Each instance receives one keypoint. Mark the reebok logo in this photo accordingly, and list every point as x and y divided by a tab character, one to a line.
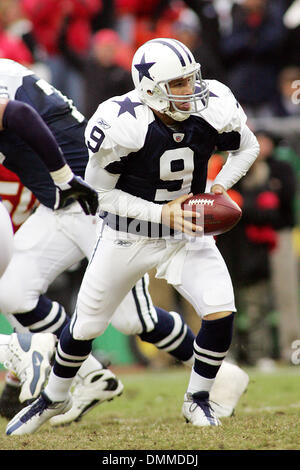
123	243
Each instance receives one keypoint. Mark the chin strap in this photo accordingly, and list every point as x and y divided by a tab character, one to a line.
177	115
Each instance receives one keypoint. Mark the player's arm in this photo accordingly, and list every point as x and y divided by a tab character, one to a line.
238	162
117	201
23	120
123	204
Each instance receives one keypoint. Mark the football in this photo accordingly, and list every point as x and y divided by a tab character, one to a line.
221	213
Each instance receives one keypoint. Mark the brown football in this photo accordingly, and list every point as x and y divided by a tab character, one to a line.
221	213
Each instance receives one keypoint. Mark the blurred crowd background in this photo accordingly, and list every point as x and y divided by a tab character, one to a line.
84	48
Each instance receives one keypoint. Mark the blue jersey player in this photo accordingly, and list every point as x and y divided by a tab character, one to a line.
28	148
17	141
126	144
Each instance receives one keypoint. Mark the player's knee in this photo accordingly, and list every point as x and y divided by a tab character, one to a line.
88	331
128	325
94	311
11	298
19	288
88	328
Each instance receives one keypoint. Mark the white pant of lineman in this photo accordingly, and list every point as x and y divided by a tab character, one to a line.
7	234
47	244
196	269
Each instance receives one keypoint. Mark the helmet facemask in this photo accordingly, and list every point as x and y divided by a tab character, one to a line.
198	100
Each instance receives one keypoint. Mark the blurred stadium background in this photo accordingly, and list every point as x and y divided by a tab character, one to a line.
85	50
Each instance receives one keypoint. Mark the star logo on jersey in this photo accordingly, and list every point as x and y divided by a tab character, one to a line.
198	89
143	68
127	106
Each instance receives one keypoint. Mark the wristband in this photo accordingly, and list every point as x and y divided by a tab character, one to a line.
62	176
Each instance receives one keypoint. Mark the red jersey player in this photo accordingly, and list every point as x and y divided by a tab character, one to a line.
18	200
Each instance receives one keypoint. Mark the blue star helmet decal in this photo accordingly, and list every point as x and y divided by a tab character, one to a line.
127	106
198	89
143	68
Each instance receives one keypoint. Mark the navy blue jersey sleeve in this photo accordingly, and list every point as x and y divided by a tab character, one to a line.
228	141
27	124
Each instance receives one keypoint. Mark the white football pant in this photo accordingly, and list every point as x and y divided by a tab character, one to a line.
48	243
197	270
6	231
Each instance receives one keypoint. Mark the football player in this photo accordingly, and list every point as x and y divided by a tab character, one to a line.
50	241
14	117
45	153
149	150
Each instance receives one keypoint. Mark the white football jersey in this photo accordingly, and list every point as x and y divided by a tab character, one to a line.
156	162
151	163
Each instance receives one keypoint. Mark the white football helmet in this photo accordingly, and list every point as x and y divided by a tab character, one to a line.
155	64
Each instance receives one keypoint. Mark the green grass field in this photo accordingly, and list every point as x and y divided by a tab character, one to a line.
148	416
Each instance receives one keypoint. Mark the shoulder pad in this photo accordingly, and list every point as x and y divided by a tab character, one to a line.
124	120
224	112
11	77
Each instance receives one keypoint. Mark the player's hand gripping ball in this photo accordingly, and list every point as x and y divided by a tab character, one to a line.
221	213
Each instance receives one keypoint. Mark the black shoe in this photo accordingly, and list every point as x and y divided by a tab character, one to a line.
9	401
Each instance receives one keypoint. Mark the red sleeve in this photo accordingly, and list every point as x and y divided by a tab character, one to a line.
18	200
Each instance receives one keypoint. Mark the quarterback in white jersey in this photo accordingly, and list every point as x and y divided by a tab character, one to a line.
148	151
50	241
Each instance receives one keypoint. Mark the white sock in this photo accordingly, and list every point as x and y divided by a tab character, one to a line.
57	388
90	365
199	384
